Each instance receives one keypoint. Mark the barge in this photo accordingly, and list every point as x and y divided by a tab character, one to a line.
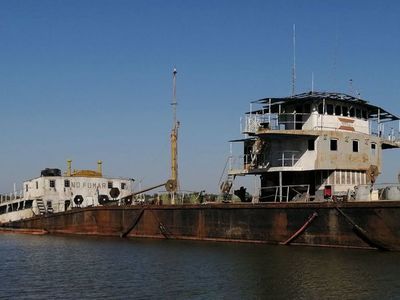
316	157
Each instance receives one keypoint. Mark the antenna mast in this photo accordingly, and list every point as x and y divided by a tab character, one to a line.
174	141
294	61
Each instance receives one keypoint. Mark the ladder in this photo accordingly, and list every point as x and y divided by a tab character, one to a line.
40	206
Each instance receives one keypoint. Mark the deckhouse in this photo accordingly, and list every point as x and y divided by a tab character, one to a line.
315	145
54	192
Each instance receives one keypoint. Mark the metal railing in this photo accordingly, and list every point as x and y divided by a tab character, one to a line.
280	159
294	121
11	196
285	193
284	121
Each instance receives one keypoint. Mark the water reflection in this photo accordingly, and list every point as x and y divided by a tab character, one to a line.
37	267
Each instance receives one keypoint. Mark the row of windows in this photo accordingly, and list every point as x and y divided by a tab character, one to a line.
340	110
332	109
355	145
341	177
334	146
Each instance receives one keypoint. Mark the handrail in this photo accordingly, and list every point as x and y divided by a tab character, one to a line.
289	190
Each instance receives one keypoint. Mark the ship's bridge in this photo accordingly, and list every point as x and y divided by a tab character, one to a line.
313	111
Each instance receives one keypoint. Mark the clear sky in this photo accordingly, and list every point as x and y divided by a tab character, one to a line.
90	80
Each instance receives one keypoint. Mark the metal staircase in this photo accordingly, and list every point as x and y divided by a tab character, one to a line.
40	206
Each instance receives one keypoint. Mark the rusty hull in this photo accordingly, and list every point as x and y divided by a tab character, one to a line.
349	224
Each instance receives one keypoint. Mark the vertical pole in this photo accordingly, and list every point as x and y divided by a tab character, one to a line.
69	167
230	156
269	113
379	122
100	167
323	113
294	61
312	82
174	142
280	186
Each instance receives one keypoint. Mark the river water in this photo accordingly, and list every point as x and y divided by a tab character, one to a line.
67	267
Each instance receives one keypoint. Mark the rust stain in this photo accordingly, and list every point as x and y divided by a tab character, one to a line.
344	120
256	223
348	128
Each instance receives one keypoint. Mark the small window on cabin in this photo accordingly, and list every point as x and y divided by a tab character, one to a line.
123	185
311	145
373	148
355	146
329	109
345	111
352	113
26	187
358	113
110	184
334	145
364	114
66	183
321	108
307	108
49	204
52	183
338	110
37	185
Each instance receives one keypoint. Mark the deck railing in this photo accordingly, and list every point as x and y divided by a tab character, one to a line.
252	123
285	193
11	196
284	121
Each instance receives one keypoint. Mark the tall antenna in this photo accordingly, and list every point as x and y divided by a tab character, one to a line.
294	61
312	82
351	87
174	142
174	103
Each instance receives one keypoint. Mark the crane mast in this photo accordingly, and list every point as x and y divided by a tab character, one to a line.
174	143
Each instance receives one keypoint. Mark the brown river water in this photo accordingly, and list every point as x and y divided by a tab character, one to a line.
69	267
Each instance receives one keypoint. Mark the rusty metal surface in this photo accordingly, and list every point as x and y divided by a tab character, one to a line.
258	223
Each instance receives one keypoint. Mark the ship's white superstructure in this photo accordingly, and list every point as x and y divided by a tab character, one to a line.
54	192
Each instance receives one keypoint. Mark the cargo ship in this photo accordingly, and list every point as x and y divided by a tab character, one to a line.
316	155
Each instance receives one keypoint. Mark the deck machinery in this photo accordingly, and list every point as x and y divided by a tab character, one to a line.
315	146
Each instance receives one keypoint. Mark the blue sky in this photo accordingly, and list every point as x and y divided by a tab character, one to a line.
90	80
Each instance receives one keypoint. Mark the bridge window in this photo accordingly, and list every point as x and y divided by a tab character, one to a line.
52	183
364	114
321	108
329	109
355	146
66	183
345	111
110	184
123	185
334	145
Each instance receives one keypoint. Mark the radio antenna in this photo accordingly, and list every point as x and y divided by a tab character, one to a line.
294	61
312	82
